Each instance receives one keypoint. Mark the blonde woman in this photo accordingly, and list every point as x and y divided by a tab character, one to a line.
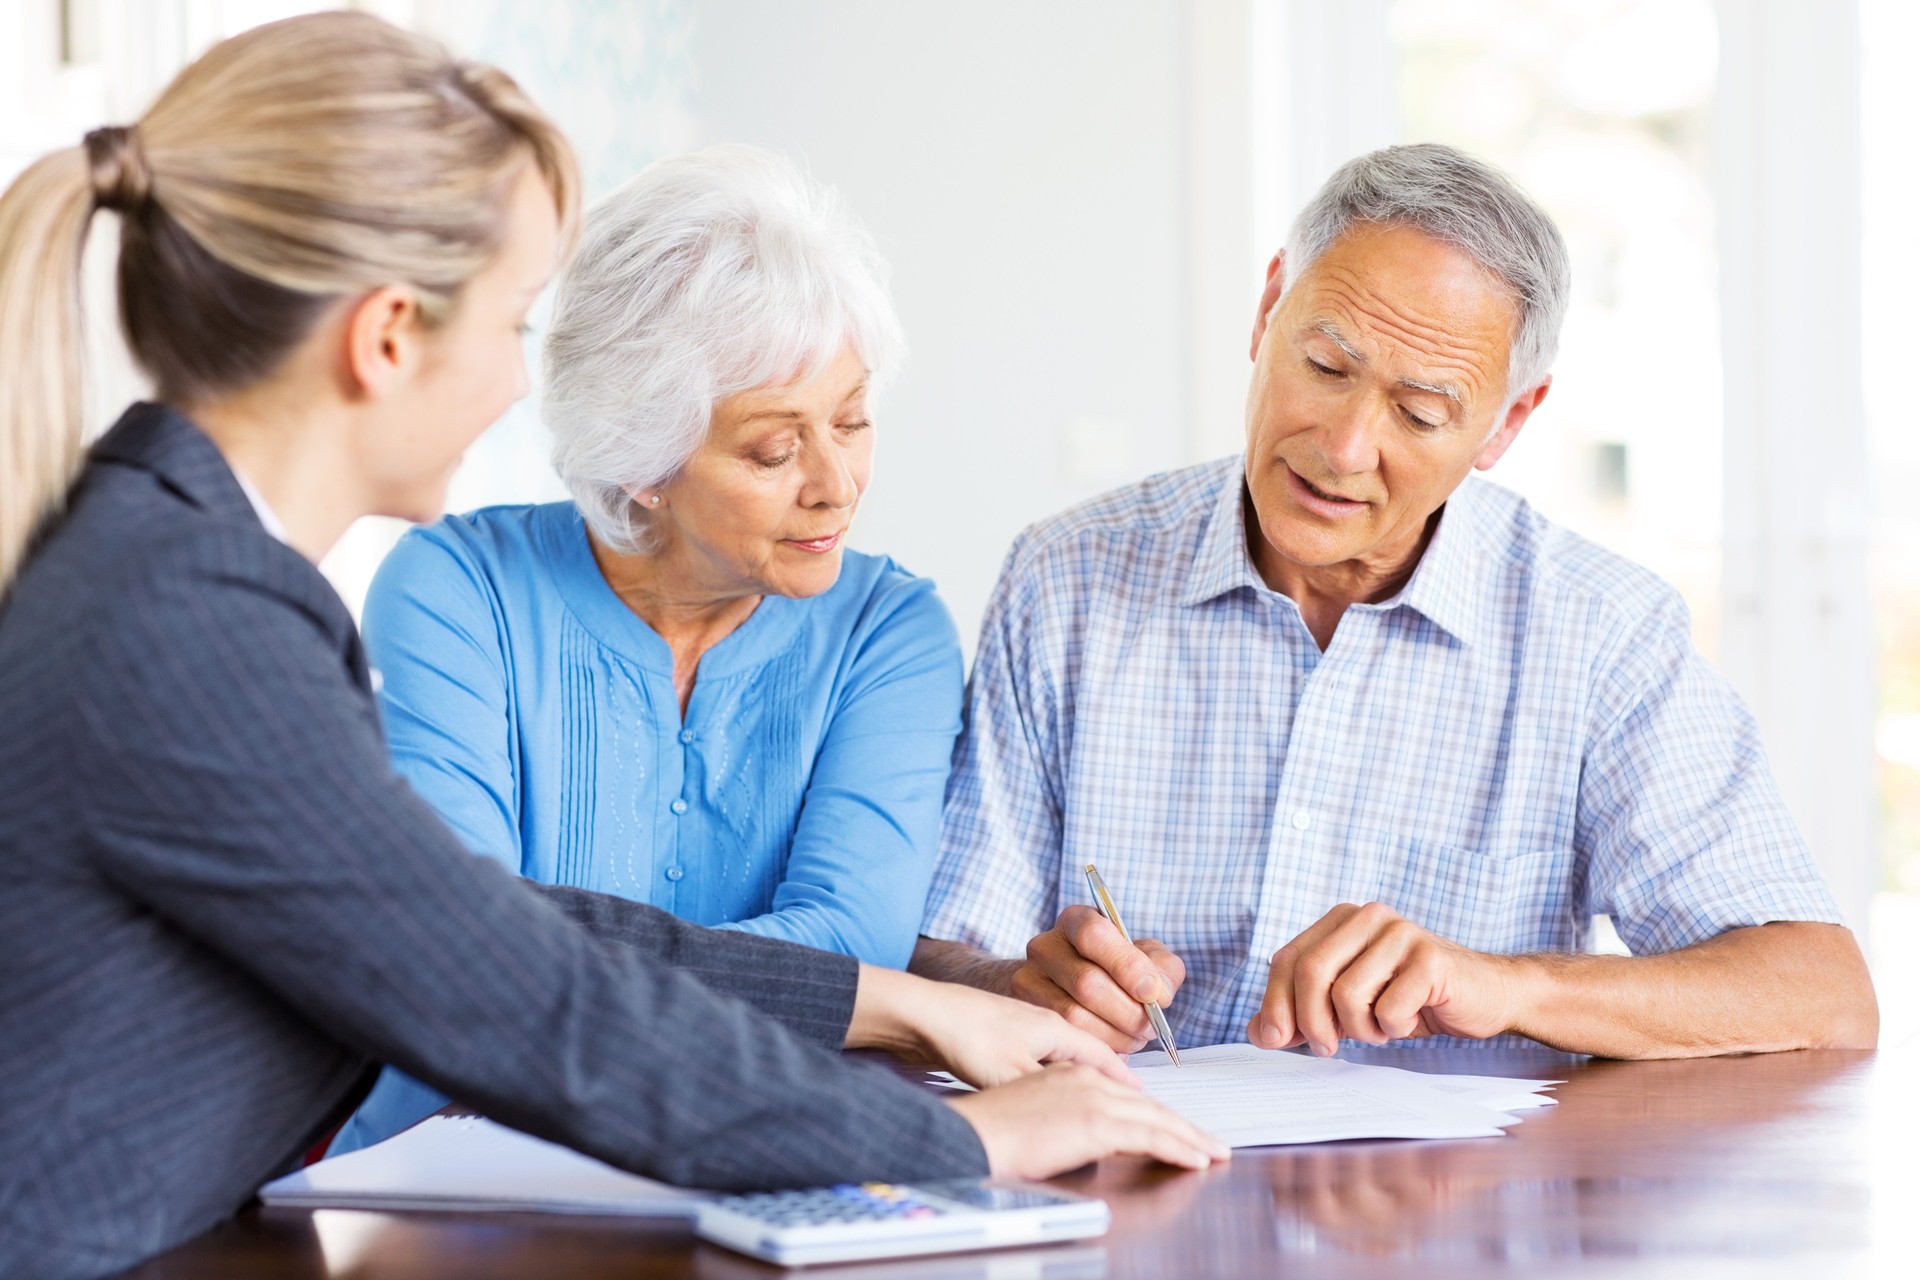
219	908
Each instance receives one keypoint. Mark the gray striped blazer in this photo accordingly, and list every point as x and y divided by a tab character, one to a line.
219	909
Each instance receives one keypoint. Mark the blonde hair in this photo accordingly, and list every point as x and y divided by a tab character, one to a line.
301	162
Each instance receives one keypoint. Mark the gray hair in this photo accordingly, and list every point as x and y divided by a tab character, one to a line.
706	275
1452	196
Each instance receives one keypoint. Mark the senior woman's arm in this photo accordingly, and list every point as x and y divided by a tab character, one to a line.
432	633
862	853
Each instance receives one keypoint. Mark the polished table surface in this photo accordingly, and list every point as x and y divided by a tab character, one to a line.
1804	1164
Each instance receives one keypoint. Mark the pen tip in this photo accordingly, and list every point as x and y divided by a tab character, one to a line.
1089	866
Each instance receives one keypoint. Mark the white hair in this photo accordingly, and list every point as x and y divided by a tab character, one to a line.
1451	196
706	275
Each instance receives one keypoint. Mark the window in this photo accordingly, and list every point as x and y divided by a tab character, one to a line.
1890	100
1602	109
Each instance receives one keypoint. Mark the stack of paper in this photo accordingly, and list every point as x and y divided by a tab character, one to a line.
1250	1097
1245	1096
468	1164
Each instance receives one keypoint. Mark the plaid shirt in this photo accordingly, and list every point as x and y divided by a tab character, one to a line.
1522	738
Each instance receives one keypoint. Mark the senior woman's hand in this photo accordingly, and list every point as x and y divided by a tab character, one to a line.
982	1038
1051	1098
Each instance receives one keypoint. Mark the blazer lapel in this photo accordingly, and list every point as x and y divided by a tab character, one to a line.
166	443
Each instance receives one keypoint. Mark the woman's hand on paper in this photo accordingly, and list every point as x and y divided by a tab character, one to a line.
1085	971
1052	1097
988	1040
1069	1115
982	1038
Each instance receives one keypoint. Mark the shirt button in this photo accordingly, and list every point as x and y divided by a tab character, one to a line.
678	806
675	873
375	680
1302	820
686	735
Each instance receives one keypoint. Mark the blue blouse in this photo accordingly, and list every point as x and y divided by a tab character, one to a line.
799	798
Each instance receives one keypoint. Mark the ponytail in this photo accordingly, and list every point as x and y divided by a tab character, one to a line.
306	160
43	228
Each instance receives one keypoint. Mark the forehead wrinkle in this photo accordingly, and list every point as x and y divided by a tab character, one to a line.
1429	341
1331	332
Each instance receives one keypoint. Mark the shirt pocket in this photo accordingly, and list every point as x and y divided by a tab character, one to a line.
1503	900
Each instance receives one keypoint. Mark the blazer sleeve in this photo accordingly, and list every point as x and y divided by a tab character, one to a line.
813	999
243	796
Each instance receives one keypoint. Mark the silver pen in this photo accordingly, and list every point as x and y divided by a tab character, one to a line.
1104	901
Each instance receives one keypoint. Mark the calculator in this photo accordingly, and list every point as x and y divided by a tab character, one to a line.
884	1220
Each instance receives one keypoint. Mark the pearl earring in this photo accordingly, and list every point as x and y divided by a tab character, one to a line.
654	501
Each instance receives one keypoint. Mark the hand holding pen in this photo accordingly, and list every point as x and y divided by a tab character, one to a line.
1088	972
1111	910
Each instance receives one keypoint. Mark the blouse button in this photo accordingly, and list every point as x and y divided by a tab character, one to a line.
675	873
678	806
686	735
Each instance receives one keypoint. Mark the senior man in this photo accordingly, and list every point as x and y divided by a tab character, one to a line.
1342	671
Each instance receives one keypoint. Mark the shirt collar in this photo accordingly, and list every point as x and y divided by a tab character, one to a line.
1448	586
1221	563
260	507
568	551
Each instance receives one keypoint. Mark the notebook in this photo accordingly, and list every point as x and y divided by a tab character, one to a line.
469	1164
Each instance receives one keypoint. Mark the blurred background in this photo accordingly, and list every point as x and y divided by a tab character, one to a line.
1078	198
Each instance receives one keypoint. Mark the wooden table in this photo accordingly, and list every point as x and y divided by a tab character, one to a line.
1802	1164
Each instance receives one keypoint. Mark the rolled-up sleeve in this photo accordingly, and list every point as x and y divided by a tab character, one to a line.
1680	823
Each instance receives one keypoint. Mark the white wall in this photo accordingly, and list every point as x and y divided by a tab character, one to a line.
1025	168
1798	640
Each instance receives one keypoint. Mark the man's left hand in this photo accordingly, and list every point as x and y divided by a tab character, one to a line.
1367	973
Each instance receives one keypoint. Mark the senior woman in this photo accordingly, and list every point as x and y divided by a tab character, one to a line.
681	687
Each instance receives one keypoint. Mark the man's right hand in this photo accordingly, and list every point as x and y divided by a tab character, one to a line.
1083	970
1068	1115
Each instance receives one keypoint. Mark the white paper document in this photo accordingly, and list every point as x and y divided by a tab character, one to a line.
1498	1092
1250	1097
465	1163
